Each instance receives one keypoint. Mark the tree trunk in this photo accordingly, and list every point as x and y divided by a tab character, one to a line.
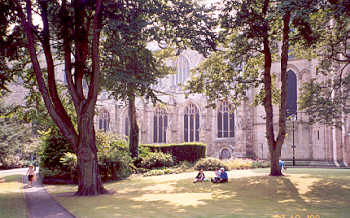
134	129
275	168
275	145
275	157
89	174
83	141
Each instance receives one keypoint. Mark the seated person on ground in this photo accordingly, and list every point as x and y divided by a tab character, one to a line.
220	178
200	177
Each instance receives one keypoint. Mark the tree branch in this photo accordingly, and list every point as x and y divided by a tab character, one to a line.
66	131
284	81
67	47
94	82
51	69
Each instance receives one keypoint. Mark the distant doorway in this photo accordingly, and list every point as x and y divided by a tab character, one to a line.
225	154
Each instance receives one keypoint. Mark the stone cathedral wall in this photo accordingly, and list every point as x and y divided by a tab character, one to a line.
313	142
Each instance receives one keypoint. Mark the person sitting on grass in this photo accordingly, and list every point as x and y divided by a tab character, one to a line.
221	178
200	177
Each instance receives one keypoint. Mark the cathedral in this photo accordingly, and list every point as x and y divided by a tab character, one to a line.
240	134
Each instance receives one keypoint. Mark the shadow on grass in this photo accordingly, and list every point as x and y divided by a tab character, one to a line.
259	196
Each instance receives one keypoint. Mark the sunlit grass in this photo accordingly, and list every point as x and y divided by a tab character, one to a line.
249	193
12	203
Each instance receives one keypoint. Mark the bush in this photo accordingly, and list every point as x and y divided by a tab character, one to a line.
70	162
261	164
157	172
143	151
55	176
57	158
53	148
17	144
210	164
214	164
157	160
191	151
113	156
239	164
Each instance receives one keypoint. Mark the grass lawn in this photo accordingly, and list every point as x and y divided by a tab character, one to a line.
12	203
308	193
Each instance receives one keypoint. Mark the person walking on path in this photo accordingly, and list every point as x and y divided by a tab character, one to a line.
31	175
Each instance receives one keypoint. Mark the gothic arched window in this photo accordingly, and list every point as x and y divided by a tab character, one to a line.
291	93
226	124
191	123
183	70
160	123
104	120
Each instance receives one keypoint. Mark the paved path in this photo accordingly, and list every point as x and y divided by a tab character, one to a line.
14	171
42	205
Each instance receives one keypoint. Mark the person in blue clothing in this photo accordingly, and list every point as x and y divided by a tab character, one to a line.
222	177
282	166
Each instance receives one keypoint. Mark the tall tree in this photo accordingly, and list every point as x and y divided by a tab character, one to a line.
132	69
256	33
67	29
68	33
134	72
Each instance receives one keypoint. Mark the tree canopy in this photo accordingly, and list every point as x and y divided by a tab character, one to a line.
254	34
325	98
65	36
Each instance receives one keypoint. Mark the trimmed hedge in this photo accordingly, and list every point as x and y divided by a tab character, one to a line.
188	151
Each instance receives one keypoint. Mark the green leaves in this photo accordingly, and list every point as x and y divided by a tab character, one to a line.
16	140
324	102
130	67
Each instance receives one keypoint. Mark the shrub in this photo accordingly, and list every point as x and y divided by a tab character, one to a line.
157	172
69	160
157	160
113	156
17	144
141	170
55	176
53	147
143	151
57	158
210	164
191	151
239	163
261	164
